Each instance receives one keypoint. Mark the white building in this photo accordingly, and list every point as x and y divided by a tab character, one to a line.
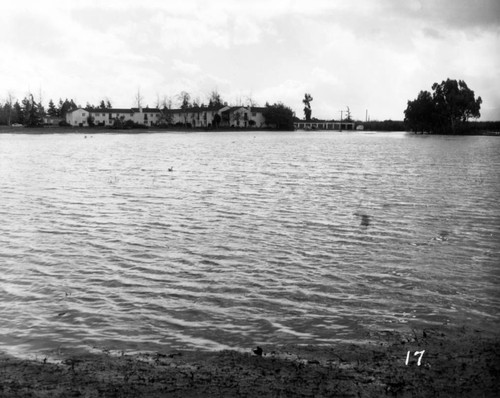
106	117
224	116
78	117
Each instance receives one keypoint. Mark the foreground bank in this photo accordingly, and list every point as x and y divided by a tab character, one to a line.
453	363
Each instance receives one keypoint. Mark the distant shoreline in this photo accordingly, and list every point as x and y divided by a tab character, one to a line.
104	130
148	130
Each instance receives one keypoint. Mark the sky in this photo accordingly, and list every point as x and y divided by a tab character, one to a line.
369	55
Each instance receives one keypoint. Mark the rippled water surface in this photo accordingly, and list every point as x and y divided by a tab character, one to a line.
253	238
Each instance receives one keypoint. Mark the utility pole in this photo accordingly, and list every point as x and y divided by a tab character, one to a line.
340	125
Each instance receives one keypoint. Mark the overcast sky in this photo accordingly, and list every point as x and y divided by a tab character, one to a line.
370	55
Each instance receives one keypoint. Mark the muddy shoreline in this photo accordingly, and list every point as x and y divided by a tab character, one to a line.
455	363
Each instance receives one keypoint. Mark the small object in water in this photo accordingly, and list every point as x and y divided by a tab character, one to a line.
442	236
258	351
85	136
365	220
171	168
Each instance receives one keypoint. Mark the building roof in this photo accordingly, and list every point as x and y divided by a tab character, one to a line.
110	110
194	110
76	109
146	110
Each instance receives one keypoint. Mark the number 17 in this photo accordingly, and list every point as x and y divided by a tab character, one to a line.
421	353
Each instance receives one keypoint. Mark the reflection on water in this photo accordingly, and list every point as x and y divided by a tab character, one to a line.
252	238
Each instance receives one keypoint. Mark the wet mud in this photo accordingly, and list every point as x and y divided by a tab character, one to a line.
425	363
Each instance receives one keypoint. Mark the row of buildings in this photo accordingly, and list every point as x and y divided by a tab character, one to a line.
200	117
224	116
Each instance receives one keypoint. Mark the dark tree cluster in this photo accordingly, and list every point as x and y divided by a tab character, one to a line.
385	125
104	104
446	110
30	113
280	116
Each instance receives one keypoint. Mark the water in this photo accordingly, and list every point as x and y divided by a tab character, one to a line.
253	238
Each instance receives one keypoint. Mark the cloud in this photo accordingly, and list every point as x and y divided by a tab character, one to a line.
363	54
185	67
456	14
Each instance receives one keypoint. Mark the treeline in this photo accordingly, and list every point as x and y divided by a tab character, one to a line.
30	112
386	125
473	127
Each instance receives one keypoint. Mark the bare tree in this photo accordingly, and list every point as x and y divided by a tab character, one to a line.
9	102
238	101
166	102
139	98
215	99
250	102
184	100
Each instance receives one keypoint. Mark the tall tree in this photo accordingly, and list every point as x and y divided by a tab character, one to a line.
348	116
32	111
184	100
455	104
166	102
307	108
139	98
215	99
18	111
420	113
8	107
65	107
446	111
250	102
52	111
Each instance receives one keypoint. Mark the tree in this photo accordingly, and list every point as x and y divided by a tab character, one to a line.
166	102
65	107
348	116
32	111
52	111
307	109
184	100
455	105
19	113
279	115
446	111
420	113
250	102
139	98
196	102
8	107
215	100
